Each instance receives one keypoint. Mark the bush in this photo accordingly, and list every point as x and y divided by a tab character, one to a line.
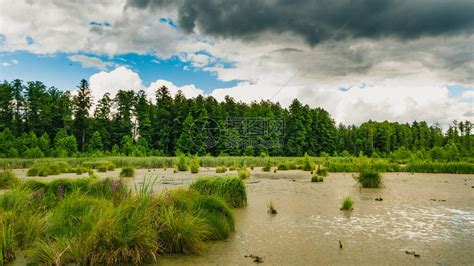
8	179
369	178
317	178
347	204
231	189
221	169
127	171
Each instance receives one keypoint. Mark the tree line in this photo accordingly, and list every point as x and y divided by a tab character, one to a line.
37	121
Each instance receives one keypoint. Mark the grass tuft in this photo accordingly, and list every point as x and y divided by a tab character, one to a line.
317	178
231	189
347	204
127	171
369	178
8	180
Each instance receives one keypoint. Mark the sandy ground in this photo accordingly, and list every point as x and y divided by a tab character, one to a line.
430	214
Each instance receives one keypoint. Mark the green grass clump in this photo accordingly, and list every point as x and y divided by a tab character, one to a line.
322	171
8	179
317	178
369	178
231	189
7	252
81	170
440	167
283	167
268	166
217	214
182	232
182	163
244	173
271	208
127	171
347	204
308	163
221	170
102	168
194	165
110	167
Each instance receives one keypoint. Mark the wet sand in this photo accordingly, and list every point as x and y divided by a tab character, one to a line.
430	214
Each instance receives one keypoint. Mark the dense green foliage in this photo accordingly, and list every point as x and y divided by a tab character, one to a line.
92	221
8	179
231	189
347	204
36	122
369	178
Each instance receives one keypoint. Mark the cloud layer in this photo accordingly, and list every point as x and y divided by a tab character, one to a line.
360	60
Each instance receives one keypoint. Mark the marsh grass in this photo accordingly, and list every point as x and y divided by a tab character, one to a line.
181	163
244	173
8	179
221	170
99	221
308	163
317	178
321	171
347	204
127	171
271	208
194	164
231	189
369	178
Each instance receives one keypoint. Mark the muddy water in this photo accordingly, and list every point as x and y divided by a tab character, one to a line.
430	214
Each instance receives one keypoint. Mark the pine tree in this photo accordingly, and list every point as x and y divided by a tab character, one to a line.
83	103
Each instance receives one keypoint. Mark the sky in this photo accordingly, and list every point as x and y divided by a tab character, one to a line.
396	60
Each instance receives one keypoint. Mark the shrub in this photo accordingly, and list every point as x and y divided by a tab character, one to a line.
369	178
347	204
317	178
8	179
231	189
221	169
127	171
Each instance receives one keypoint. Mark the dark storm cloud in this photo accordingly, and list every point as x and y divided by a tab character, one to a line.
319	20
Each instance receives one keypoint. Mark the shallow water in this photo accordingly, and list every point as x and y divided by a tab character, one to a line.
430	214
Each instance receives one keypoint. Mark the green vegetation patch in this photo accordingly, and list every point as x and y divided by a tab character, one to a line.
231	189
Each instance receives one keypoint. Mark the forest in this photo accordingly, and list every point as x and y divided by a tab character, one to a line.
37	121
